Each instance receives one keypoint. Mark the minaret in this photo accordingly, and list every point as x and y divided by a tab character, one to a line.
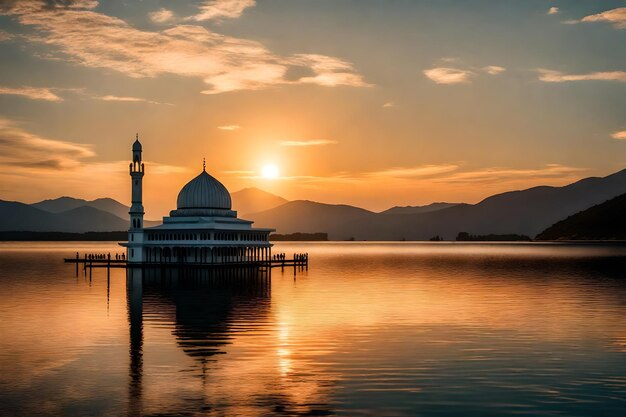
135	233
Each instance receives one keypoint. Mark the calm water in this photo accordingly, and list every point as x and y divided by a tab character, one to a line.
370	329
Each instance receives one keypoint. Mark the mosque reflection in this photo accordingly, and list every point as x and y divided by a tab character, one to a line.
206	312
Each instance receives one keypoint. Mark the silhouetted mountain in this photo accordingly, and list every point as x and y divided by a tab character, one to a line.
253	200
419	209
89	219
111	206
62	204
16	216
604	221
19	216
526	212
308	217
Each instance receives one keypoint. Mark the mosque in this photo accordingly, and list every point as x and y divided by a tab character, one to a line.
203	230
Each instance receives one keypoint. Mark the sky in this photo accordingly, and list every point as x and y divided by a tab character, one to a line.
373	103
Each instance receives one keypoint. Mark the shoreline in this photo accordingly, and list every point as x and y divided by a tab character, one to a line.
122	236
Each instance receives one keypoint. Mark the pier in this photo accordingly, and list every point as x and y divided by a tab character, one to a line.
299	262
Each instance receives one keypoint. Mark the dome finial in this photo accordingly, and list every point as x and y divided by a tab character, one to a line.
204	164
137	135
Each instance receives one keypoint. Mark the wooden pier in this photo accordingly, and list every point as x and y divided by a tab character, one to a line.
299	262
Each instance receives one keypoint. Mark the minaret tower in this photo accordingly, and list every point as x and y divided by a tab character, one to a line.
135	233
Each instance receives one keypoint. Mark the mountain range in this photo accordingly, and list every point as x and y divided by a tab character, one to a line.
62	204
525	212
75	215
16	216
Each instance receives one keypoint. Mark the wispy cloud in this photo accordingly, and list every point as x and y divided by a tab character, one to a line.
619	135
551	76
86	37
460	73
420	171
128	99
616	17
5	36
327	71
508	175
389	105
222	9
229	127
452	174
320	142
34	93
19	148
444	75
161	16
494	69
553	10
242	172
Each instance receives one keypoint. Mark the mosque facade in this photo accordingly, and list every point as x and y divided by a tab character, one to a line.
203	230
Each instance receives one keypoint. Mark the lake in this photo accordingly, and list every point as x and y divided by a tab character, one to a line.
378	329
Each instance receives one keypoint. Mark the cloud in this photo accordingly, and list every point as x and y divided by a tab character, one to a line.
19	148
239	172
34	93
448	75
229	127
128	99
451	174
389	105
619	135
5	36
508	175
161	16
550	76
321	142
222	9
420	171
460	74
553	10
617	17
224	63
494	69
328	71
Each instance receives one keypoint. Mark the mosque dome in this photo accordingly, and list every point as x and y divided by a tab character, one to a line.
204	192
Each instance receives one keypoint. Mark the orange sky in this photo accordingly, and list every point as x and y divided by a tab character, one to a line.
372	106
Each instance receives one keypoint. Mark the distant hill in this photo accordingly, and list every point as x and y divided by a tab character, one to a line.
308	217
253	200
16	216
526	212
419	209
604	221
61	204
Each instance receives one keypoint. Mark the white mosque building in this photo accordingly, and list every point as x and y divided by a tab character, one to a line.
203	230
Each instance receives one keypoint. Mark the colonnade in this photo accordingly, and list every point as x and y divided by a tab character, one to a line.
206	255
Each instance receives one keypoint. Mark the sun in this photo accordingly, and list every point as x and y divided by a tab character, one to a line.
269	171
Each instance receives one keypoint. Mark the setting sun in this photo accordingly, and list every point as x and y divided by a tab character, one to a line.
269	171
